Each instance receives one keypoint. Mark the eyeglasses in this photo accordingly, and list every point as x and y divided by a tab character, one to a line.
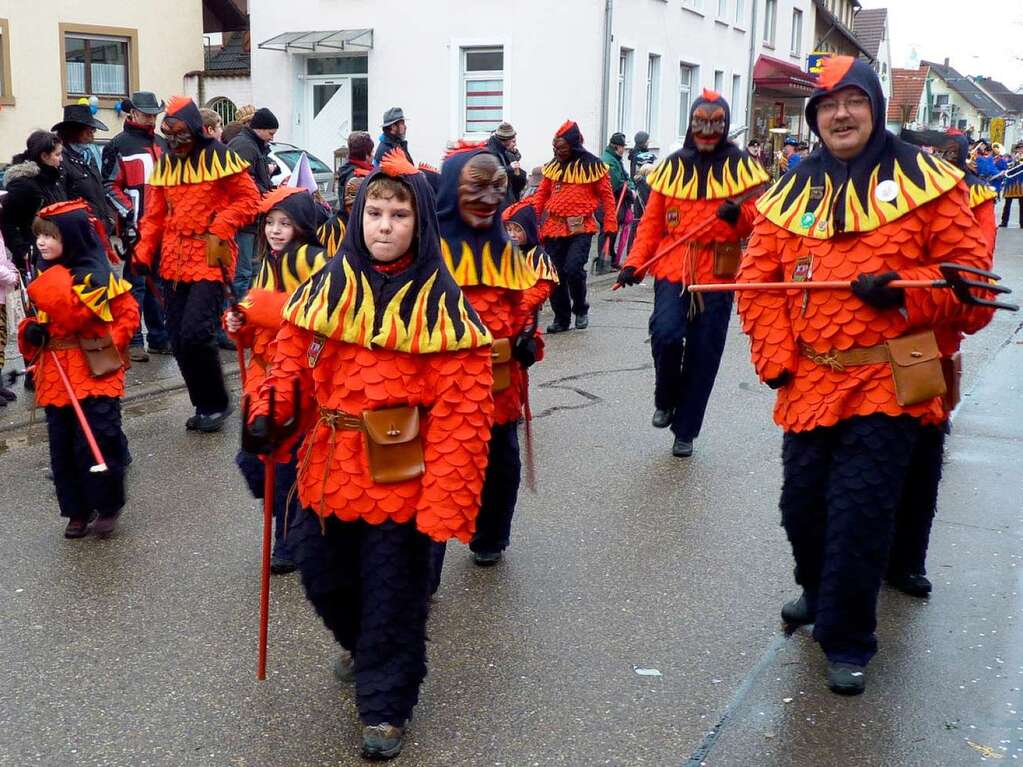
829	107
700	125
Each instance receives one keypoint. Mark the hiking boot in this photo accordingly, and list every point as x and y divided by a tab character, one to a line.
681	448
211	422
381	742
557	327
914	584
344	668
662	418
192	424
104	526
846	678
138	354
77	527
797	612
486	558
582	321
281	565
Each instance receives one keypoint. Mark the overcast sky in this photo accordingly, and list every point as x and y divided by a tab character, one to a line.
981	38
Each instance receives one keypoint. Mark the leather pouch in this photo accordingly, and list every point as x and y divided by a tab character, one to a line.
500	358
393	444
727	256
218	251
101	355
916	368
575	223
952	367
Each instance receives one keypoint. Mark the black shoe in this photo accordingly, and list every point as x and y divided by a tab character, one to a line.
77	527
227	344
211	422
165	349
138	354
582	321
846	678
662	418
681	448
381	742
599	267
192	424
104	526
557	327
797	612
914	584
344	668
7	395
486	558
281	566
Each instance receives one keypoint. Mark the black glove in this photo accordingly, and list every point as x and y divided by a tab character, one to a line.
37	334
779	381
627	276
873	290
139	269
728	212
256	437
524	349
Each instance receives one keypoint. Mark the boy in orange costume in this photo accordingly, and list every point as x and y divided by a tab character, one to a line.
79	298
293	256
575	183
382	333
868	208
506	288
197	197
693	210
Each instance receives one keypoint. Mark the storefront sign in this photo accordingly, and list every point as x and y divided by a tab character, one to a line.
815	60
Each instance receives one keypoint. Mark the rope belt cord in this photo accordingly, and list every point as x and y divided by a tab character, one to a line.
840	359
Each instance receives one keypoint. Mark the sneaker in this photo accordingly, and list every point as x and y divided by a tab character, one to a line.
847	678
212	422
281	565
557	327
662	418
104	527
914	584
486	558
797	612
344	668
381	742
681	448
138	354
77	527
582	321
164	350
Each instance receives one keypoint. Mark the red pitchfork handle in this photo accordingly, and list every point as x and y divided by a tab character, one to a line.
264	583
101	464
819	285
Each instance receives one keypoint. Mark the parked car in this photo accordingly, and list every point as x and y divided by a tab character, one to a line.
287	156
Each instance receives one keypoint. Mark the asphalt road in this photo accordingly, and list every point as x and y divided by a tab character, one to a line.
634	621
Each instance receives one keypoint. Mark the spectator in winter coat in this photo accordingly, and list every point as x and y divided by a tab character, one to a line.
9	282
360	161
82	160
212	124
34	179
612	157
242	117
393	136
640	153
502	143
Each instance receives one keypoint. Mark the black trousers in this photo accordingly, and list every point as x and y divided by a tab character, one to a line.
842	485
285	514
81	492
569	255
1007	206
193	316
918	503
686	346
500	490
369	584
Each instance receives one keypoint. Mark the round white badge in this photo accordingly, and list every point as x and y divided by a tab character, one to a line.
887	191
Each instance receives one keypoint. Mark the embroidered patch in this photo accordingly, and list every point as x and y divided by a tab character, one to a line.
672	217
802	271
807	220
315	348
816	192
822	225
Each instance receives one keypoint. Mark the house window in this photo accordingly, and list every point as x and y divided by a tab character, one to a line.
224	107
96	65
740	12
482	89
719	81
6	93
941	99
686	81
624	89
736	94
693	5
797	32
770	17
722	9
653	91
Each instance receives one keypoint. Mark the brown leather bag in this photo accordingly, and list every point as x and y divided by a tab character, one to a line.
500	358
952	367
575	224
727	256
916	368
393	444
218	251
101	355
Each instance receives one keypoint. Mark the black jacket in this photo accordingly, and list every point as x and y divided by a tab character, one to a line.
127	162
386	143
516	179
29	188
83	179
255	152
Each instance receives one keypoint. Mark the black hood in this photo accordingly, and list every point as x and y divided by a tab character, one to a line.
453	230
300	207
711	98
523	214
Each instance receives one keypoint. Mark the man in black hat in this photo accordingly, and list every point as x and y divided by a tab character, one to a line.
81	160
393	136
127	162
502	142
620	181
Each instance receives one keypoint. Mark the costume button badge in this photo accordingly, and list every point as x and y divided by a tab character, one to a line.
806	221
886	191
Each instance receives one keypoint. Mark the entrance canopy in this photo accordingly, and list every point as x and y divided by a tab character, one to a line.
315	42
780	79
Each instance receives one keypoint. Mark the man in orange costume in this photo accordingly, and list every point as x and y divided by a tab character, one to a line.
197	197
907	569
506	289
389	356
702	203
575	183
868	208
79	301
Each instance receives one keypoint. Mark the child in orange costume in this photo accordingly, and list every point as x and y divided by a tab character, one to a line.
506	288
197	197
382	326
78	298
293	256
870	210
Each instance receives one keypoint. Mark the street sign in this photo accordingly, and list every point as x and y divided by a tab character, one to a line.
998	130
815	60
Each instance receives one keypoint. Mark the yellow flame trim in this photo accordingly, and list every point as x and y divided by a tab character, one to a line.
331	234
206	166
676	179
515	272
575	172
981	193
97	298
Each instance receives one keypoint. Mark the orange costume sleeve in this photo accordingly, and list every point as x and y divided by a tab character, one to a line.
262	311
606	194
540	197
243	204
650	232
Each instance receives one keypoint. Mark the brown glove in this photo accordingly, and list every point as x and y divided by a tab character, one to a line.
218	251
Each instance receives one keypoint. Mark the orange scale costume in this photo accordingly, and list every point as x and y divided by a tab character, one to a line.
887	212
506	285
701	205
386	356
80	305
197	198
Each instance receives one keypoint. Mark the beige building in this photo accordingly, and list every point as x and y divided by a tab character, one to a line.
53	52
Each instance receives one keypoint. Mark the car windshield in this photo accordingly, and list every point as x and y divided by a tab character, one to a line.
290	158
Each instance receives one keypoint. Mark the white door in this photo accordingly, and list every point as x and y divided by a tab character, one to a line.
328	116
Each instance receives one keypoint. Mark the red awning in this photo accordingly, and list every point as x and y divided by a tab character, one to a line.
780	78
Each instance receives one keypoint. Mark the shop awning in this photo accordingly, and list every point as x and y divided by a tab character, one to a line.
780	79
314	42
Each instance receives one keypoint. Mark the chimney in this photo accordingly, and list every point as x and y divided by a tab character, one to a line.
946	61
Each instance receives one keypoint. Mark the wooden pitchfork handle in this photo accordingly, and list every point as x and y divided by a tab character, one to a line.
759	287
264	581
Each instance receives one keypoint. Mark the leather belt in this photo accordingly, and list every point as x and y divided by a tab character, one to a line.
70	342
339	419
840	359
